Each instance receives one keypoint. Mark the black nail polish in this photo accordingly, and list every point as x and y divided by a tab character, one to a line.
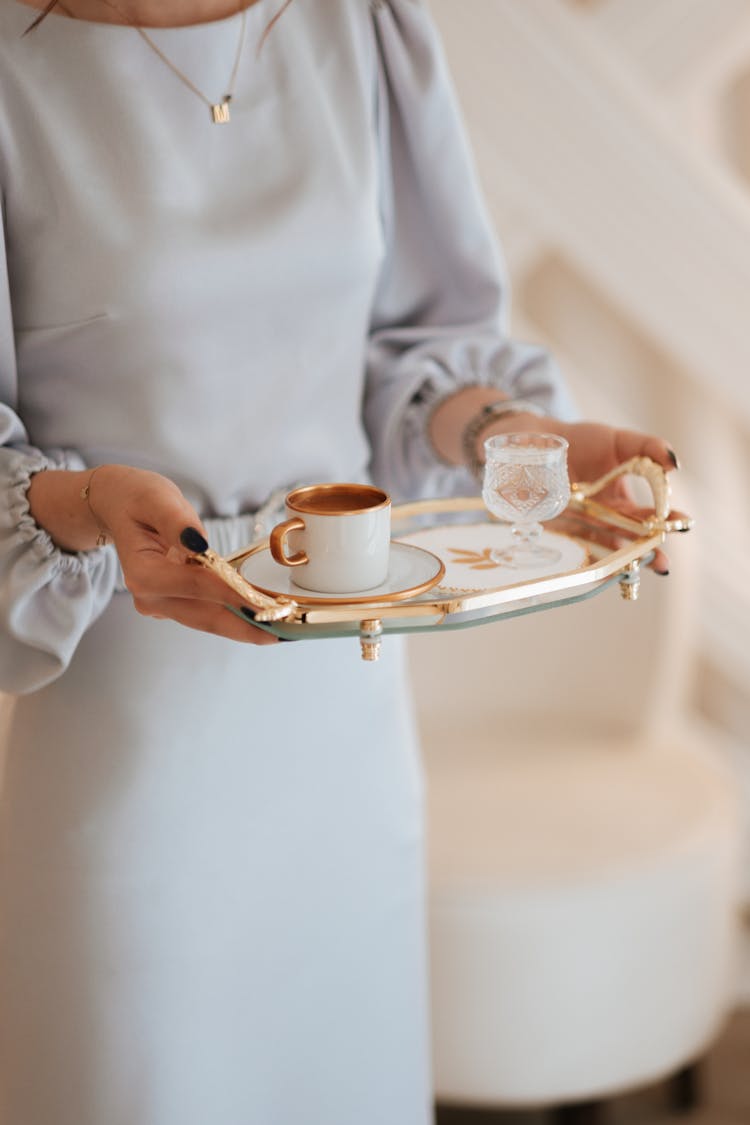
191	538
663	573
673	458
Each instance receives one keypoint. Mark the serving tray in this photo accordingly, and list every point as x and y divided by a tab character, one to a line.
600	547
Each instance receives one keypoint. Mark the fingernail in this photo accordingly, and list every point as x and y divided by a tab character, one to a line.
673	458
191	538
663	573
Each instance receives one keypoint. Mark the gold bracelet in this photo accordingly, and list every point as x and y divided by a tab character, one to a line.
101	539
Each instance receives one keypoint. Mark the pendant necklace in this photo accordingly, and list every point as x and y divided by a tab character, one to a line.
219	110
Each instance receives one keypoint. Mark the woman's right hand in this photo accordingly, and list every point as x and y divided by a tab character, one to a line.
143	513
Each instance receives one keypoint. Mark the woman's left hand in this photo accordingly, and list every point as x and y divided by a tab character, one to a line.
595	449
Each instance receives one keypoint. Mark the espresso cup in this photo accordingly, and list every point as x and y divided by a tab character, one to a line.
337	537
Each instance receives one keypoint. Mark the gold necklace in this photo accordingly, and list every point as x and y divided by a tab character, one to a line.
219	110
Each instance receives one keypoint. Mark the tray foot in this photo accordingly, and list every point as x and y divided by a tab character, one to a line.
630	583
370	633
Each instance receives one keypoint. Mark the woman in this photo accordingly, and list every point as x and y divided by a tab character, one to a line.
211	867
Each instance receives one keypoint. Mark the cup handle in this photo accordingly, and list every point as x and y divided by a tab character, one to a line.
277	543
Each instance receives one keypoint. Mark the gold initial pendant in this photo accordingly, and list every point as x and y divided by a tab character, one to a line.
220	112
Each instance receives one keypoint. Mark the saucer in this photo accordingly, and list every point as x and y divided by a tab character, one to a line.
411	571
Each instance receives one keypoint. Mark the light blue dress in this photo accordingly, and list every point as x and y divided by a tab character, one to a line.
211	857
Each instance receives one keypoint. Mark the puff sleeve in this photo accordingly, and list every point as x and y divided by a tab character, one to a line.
440	312
48	597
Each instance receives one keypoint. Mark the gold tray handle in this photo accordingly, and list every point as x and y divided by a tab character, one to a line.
654	474
265	607
639	467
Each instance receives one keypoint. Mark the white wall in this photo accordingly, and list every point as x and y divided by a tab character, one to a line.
613	142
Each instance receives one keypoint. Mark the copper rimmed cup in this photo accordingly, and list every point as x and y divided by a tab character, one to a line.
336	539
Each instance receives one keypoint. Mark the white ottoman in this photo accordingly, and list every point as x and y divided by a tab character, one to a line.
582	915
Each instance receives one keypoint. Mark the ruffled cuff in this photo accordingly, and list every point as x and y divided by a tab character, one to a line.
406	461
48	597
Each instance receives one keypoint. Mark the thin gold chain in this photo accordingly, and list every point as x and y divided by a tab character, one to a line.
176	70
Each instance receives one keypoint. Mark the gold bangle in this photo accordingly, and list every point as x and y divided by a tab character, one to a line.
101	539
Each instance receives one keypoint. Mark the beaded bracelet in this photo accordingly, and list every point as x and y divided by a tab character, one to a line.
483	418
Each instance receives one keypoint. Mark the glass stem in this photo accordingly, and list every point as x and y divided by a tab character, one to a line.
526	534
